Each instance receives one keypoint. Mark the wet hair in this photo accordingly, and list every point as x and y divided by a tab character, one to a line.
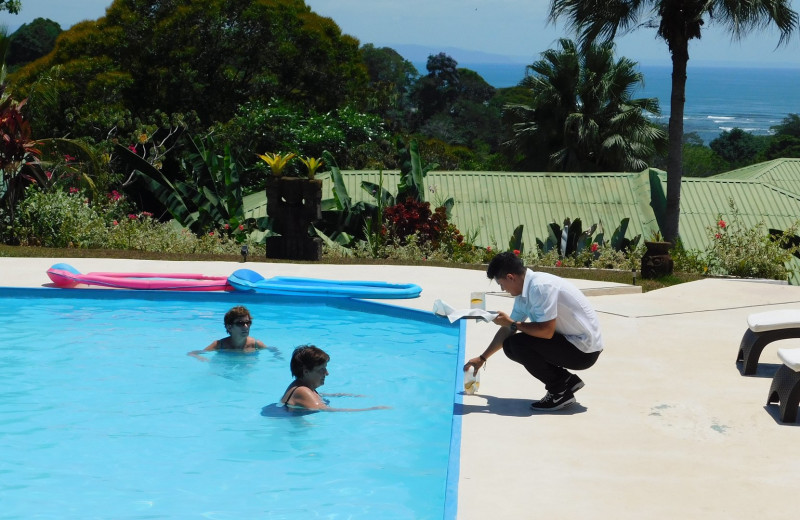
240	311
503	264
307	357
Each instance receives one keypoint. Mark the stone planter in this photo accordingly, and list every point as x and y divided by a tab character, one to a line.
293	204
656	261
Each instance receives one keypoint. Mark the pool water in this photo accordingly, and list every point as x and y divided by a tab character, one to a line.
103	415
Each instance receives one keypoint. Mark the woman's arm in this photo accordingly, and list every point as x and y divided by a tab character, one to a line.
306	398
196	353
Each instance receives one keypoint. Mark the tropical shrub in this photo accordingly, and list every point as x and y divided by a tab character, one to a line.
414	218
59	219
738	250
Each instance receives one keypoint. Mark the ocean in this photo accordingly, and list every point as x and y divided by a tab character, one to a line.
717	98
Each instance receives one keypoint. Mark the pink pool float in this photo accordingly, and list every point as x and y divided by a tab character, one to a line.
66	276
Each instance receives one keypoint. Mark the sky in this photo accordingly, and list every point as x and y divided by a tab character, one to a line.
515	29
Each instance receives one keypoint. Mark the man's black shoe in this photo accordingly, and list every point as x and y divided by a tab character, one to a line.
554	401
574	383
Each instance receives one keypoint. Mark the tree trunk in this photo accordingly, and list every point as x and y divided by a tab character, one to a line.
680	59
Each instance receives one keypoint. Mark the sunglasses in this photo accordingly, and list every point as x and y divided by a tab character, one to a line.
242	323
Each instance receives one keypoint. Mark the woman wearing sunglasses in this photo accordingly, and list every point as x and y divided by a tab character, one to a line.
237	324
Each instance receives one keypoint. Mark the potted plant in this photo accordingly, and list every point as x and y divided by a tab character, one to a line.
312	165
656	260
293	204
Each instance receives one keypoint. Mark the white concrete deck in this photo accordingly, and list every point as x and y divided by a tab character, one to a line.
665	428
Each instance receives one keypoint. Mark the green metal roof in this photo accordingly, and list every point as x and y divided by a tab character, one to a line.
782	173
491	204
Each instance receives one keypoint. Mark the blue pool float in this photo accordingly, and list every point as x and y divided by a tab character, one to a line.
251	281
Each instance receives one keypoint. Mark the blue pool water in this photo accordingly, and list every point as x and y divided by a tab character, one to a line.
102	414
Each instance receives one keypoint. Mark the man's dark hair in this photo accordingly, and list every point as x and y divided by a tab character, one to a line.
503	264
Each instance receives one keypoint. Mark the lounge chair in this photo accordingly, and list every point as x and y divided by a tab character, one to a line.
764	328
785	388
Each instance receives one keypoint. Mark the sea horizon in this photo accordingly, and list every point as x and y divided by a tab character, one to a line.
719	97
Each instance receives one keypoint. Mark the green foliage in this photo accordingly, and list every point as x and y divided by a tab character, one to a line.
702	161
412	172
211	195
785	142
618	240
738	250
567	240
59	219
208	56
12	6
391	78
583	117
516	243
32	41
354	137
737	147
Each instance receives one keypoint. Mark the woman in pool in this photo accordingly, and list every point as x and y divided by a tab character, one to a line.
237	324
309	366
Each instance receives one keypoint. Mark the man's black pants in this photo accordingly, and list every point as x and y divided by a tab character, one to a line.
547	359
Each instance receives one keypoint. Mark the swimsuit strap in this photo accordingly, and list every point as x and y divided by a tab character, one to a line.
286	402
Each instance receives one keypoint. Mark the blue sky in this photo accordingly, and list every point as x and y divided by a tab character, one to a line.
514	28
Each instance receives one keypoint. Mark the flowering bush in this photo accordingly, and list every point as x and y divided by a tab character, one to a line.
738	250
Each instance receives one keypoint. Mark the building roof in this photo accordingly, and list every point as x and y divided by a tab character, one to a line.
490	205
782	173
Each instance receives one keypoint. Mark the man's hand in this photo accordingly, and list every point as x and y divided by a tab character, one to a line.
503	319
475	363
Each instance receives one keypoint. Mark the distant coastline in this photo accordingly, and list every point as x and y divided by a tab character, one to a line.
718	97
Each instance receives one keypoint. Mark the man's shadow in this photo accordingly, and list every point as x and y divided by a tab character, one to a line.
512	407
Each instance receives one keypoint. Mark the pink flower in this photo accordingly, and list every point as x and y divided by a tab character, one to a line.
717	235
132	148
227	226
489	249
132	216
211	233
73	190
115	223
721	224
558	263
68	157
114	195
516	252
49	175
241	227
595	247
147	214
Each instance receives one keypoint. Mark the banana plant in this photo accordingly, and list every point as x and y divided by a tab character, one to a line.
412	173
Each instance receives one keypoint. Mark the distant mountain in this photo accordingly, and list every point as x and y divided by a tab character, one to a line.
420	53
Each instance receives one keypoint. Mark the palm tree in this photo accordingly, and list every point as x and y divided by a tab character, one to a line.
582	117
676	22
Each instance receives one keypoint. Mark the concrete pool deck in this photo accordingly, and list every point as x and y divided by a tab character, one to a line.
665	428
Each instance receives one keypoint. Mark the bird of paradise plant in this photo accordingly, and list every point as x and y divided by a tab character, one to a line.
312	165
277	162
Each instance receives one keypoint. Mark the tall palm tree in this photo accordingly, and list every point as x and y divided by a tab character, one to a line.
676	22
582	117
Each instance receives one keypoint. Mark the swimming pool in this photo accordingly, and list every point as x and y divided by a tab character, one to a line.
102	414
